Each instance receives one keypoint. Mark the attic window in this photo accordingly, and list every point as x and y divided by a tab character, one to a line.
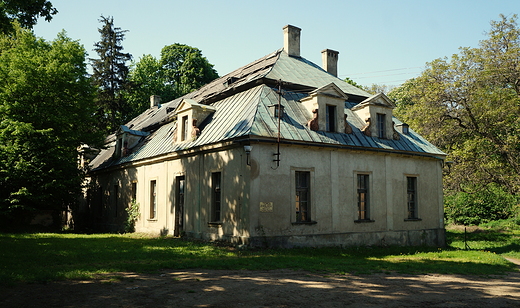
403	128
381	125
231	80
276	111
184	132
331	118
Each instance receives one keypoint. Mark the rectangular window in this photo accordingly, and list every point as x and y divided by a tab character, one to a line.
412	197
184	132
216	196
381	125
303	193
134	191
331	118
116	199
179	205
153	199
362	197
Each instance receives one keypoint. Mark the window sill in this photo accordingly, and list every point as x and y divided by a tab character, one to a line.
304	222
364	220
152	219
215	224
413	219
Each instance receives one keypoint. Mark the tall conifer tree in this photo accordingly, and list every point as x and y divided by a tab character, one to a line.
110	74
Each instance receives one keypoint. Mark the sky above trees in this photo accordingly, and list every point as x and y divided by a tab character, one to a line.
380	41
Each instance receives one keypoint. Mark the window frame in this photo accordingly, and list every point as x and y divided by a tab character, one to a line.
152	214
412	207
381	125
184	132
216	197
363	197
303	207
330	118
116	199
311	205
133	191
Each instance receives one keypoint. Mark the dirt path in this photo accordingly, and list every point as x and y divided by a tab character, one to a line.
281	288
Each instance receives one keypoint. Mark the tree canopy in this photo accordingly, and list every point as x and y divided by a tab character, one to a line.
110	75
469	106
46	107
26	12
180	70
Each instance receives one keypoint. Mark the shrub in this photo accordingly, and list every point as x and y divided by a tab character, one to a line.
132	216
490	203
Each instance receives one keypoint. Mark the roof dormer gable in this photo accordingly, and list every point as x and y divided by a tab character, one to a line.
189	115
127	139
331	90
376	111
327	105
379	99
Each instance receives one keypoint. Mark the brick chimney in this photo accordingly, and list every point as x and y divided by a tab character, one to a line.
291	40
155	100
329	60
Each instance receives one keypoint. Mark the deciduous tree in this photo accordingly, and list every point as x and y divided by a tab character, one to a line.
147	78
469	106
46	108
26	12
185	68
180	70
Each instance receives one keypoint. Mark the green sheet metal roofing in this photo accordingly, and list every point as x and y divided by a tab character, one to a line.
242	99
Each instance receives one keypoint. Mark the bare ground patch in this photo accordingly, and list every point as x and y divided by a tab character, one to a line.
279	288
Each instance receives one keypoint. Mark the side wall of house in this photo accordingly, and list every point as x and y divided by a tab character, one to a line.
160	183
334	202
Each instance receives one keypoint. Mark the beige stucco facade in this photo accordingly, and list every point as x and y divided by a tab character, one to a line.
258	200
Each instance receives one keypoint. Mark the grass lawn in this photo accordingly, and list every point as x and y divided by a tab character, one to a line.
45	257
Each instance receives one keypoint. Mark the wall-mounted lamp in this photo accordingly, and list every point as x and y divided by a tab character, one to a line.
247	149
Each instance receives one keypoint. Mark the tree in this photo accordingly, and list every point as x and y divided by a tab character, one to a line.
181	70
110	75
469	106
147	78
26	12
377	88
46	107
352	82
185	68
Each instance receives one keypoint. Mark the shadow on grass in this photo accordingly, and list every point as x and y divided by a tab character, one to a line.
47	257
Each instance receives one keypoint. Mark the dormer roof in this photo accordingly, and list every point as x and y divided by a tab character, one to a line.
376	100
187	104
330	89
124	129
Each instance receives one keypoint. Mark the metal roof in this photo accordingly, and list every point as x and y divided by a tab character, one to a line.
242	110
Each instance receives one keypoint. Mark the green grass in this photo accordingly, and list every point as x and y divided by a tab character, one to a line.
48	257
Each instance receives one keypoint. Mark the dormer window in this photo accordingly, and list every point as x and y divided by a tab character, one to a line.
276	110
126	140
377	112
381	125
403	128
331	118
190	114
327	105
184	134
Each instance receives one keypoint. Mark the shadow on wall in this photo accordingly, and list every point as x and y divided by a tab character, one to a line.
106	200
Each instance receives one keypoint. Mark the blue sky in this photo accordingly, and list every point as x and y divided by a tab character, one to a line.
383	42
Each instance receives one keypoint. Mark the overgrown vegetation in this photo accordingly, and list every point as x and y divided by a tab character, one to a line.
73	256
469	106
483	206
133	215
